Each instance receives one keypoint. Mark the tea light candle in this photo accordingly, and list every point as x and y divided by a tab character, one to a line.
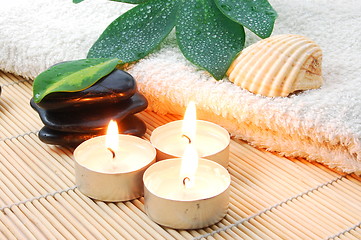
110	168
211	140
177	200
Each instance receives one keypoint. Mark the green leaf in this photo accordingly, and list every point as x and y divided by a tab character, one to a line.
256	15
77	1
71	76
207	38
131	1
137	32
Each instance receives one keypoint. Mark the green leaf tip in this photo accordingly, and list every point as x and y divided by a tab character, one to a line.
72	76
258	16
77	1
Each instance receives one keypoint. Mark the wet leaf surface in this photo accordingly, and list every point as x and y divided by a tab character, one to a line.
256	15
208	38
137	32
71	76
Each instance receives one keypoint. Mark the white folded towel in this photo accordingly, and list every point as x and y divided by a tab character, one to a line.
322	125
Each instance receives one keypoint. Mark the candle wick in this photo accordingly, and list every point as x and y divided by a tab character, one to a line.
189	139
112	151
185	181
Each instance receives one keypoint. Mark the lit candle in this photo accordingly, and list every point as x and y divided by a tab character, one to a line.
211	140
111	167
186	193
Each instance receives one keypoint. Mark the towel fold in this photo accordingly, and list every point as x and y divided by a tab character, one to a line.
322	125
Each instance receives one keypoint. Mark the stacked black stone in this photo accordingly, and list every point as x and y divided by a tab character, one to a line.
73	117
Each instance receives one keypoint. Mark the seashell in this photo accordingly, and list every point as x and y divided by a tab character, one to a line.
278	66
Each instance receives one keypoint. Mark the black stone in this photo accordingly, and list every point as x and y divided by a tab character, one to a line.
131	125
111	89
91	120
73	117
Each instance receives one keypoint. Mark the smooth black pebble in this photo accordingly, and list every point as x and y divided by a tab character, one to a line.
131	125
91	120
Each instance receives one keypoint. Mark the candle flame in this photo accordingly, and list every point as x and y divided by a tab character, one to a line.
112	139
189	122
189	166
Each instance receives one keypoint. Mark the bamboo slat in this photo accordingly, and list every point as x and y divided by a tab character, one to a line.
272	197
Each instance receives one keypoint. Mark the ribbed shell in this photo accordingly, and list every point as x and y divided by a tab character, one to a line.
278	66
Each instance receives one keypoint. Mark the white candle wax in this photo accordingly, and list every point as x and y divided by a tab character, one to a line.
208	182
100	176
169	203
132	155
211	141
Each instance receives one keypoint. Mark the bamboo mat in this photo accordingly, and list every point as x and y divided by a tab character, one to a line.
271	197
